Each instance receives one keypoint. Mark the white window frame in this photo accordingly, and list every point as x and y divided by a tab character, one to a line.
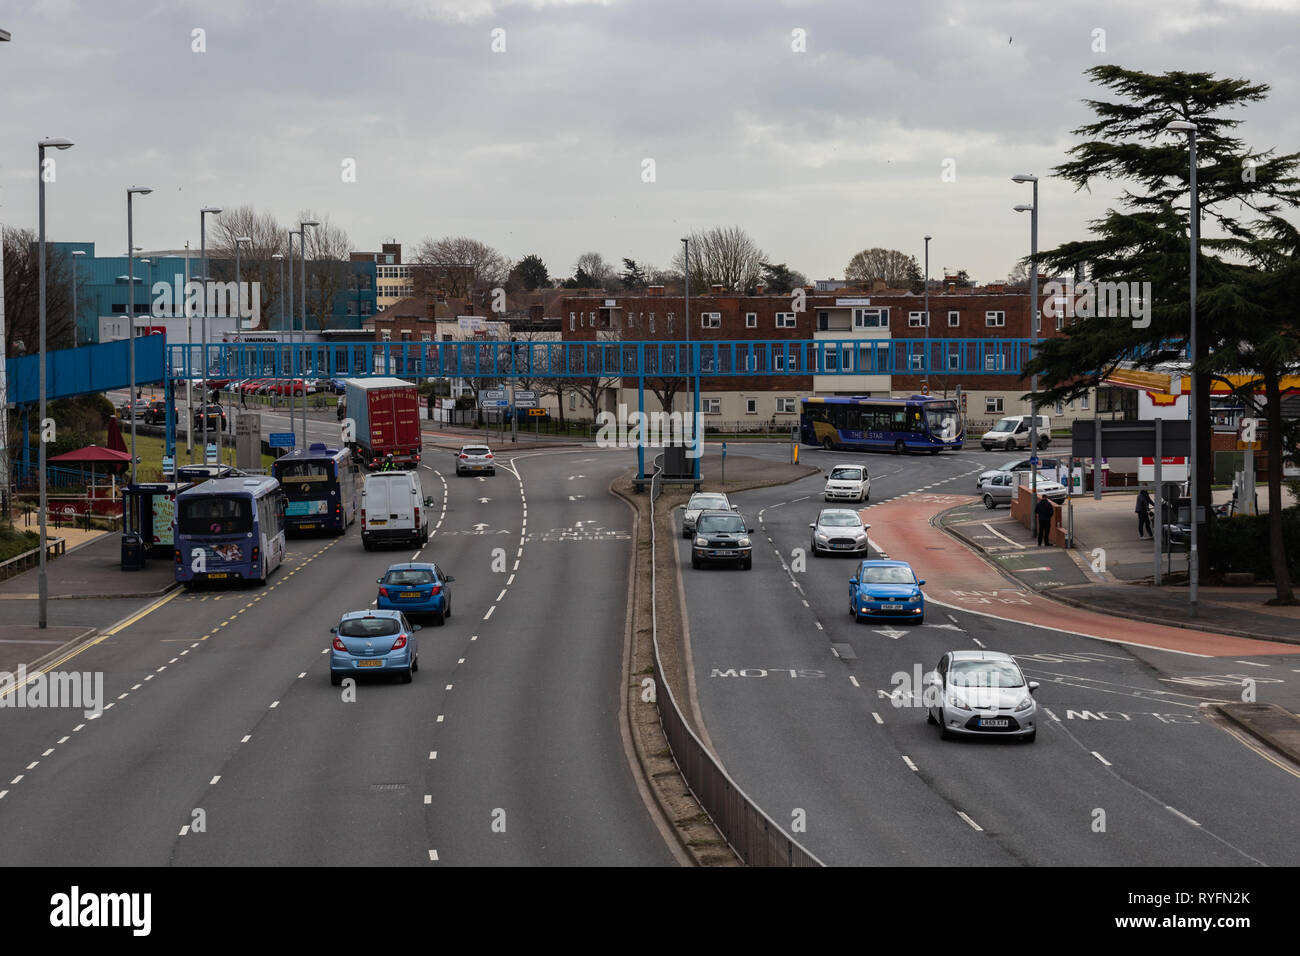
751	406
918	320
751	362
751	320
1083	402
914	363
880	315
1060	408
710	320
954	362
787	320
954	319
652	323
778	362
995	319
710	406
992	404
995	362
789	407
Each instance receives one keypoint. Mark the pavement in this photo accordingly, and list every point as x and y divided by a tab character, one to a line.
1110	570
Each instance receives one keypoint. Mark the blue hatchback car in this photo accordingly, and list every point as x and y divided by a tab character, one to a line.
416	589
887	589
373	642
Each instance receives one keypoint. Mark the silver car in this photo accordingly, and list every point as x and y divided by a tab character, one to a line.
475	459
1000	487
973	693
839	530
703	501
1019	464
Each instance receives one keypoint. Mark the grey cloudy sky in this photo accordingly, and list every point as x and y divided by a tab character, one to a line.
540	148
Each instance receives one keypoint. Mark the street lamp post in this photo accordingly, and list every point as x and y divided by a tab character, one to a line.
302	245
203	358
76	255
697	432
43	584
130	308
1033	323
239	288
279	257
289	327
927	305
1194	233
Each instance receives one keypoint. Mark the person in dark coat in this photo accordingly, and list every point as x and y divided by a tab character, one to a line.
1044	511
1143	509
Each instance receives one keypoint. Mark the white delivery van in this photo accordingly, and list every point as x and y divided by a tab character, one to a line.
1012	432
392	511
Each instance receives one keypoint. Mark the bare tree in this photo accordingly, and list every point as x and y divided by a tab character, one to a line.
584	355
722	255
268	237
897	269
458	266
598	273
328	271
22	289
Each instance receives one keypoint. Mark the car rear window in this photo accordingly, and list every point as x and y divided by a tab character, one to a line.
475	450
368	627
409	576
706	501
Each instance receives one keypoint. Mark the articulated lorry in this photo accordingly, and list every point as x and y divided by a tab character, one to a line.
385	413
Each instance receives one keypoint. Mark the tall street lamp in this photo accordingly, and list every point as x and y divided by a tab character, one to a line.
927	305
697	433
76	257
130	307
1193	475
43	582
239	288
203	254
302	244
279	257
1033	323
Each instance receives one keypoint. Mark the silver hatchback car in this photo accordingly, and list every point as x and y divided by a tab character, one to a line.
475	459
975	693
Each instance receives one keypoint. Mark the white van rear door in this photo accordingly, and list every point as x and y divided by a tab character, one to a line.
401	503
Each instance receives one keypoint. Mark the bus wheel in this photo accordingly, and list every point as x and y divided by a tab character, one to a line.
900	448
828	444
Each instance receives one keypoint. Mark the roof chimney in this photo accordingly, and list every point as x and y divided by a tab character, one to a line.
716	288
877	285
952	287
758	289
654	290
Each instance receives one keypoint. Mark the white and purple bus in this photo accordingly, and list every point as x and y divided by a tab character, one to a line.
229	529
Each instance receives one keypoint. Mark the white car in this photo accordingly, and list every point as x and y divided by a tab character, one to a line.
703	501
1014	432
848	483
1000	487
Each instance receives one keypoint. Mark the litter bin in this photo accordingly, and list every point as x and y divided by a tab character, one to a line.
133	551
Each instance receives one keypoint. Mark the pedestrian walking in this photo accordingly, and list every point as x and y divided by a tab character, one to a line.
1044	512
1143	509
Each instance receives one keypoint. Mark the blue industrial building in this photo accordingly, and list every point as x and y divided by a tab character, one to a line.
102	287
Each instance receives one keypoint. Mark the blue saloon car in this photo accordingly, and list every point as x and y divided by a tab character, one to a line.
886	589
373	642
416	589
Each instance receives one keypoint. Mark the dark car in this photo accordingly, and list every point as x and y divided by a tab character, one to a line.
141	408
155	413
216	417
721	536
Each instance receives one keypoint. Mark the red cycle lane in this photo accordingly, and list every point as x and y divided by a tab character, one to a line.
957	577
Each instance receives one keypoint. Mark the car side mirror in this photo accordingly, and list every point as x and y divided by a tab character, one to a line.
934	680
749	531
379	580
449	579
334	630
429	501
853	580
812	524
920	583
1033	686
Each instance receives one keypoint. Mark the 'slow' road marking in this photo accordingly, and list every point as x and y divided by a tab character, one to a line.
974	826
908	760
1101	758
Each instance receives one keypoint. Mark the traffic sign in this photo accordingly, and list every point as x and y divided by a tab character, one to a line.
281	440
1033	460
525	395
211	457
724	449
537	412
490	395
502	403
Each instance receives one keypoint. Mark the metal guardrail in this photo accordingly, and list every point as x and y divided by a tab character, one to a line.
754	836
29	559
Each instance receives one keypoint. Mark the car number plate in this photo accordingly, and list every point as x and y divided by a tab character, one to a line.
378	521
408	594
307	527
997	722
843	547
219	574
891	607
370	663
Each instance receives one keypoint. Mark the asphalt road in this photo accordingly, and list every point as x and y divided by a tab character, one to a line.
1127	768
226	744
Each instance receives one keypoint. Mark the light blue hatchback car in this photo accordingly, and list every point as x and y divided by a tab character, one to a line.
886	589
373	642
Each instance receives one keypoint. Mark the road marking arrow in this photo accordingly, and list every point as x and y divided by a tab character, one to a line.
946	627
484	501
576	497
479	527
572	477
890	632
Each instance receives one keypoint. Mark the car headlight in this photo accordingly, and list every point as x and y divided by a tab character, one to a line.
743	542
957	702
701	542
822	536
1024	704
915	597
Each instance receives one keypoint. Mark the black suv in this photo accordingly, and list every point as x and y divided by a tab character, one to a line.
155	413
722	536
216	417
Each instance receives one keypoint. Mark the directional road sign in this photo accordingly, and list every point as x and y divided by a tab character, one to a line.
281	440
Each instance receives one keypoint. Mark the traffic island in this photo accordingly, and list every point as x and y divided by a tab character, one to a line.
690	822
1274	726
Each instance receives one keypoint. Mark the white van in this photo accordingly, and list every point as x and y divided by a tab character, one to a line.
1012	432
392	511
